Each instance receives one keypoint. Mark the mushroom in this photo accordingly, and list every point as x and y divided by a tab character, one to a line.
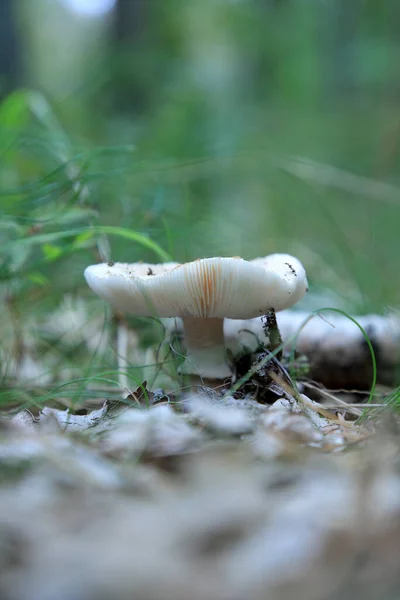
202	293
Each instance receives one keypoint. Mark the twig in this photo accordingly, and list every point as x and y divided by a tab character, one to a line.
339	401
271	331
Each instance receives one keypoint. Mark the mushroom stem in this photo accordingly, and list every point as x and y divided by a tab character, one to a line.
204	340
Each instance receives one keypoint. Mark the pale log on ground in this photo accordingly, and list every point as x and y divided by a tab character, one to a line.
334	345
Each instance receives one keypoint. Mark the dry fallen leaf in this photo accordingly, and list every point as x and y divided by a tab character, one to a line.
220	418
158	431
70	422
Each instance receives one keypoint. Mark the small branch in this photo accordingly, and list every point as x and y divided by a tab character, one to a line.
271	331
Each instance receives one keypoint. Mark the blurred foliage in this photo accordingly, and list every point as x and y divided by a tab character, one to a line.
203	127
219	95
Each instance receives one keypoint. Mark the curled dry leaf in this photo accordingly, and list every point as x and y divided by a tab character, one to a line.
24	419
70	422
65	461
220	418
287	424
141	396
158	431
295	425
280	431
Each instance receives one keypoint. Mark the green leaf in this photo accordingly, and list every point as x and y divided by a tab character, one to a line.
38	278
82	238
51	252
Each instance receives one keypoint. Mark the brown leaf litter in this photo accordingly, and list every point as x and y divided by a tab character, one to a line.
204	496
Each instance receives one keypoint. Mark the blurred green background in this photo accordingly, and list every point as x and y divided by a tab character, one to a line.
210	127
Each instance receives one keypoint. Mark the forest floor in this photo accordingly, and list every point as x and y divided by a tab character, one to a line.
204	495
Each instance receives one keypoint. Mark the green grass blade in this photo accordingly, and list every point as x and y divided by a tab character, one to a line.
47	238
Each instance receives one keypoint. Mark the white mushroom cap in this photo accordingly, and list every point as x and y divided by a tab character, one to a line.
206	288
